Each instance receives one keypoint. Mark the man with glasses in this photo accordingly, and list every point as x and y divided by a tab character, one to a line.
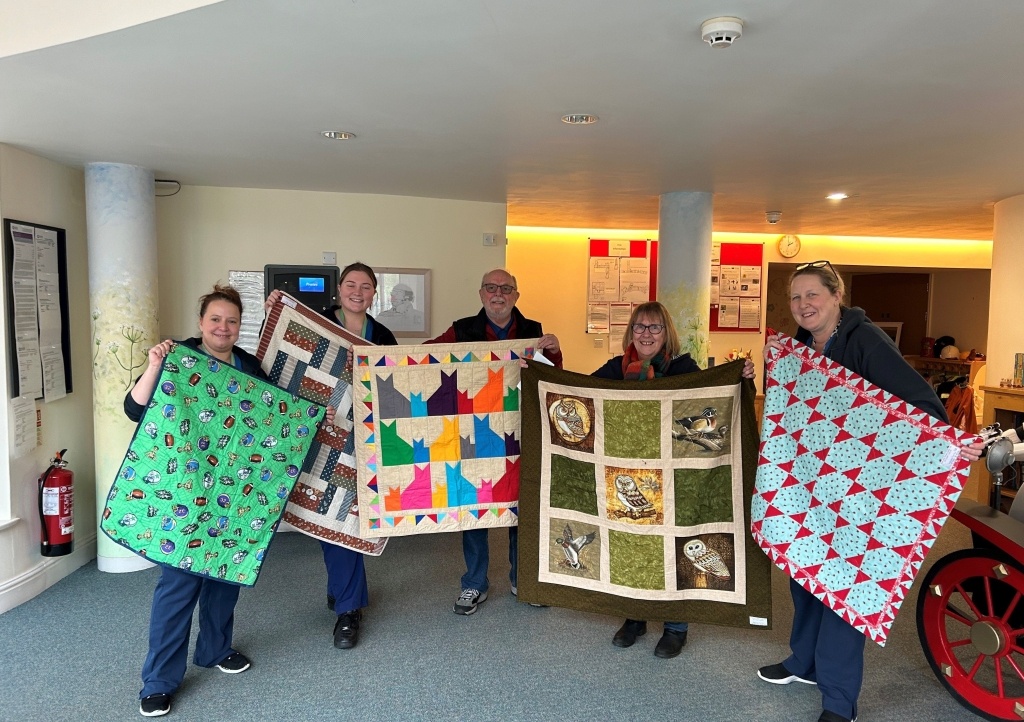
498	320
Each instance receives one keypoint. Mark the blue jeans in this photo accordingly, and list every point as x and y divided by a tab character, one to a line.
477	554
170	623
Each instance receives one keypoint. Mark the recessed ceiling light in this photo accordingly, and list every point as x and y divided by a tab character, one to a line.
579	119
837	196
337	134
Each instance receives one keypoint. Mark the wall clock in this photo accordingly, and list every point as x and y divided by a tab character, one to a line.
789	246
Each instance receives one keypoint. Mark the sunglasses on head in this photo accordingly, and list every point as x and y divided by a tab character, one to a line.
817	264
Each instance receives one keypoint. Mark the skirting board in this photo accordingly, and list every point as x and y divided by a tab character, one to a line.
45	574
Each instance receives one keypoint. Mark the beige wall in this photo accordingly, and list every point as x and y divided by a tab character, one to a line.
959	307
39	191
551	265
205	232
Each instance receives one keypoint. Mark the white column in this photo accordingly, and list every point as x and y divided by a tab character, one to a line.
120	211
684	267
1005	330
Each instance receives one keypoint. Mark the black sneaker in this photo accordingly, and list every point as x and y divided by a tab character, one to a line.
234	663
346	630
827	716
777	674
155	705
628	632
670	644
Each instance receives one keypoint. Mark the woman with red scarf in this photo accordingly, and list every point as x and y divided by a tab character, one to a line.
651	350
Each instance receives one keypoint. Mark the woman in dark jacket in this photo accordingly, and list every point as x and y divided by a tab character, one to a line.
826	649
347	590
177	592
651	350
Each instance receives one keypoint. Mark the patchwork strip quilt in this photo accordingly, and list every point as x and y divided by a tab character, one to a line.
206	476
853	486
634	497
437	438
305	353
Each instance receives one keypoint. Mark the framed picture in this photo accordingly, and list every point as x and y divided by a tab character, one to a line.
402	302
894	329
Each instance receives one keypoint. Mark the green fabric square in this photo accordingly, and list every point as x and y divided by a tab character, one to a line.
703	496
632	429
636	561
573	485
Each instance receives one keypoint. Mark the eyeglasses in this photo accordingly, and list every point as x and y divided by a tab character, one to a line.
817	264
654	328
505	289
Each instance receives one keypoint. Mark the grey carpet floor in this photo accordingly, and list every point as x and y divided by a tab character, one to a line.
74	653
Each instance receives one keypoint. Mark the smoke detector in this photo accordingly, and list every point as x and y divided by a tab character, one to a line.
721	32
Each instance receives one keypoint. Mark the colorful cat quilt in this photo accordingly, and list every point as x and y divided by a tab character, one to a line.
437	436
634	497
303	352
853	486
206	476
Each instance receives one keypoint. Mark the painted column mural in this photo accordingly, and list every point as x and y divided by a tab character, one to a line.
121	225
684	274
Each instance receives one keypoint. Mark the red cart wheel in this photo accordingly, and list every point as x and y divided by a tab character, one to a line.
970	618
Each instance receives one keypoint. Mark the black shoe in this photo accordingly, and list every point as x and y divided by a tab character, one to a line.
670	644
346	629
155	705
234	663
827	716
628	632
778	674
330	602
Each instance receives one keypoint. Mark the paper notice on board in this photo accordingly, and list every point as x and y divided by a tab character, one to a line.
634	280
729	313
750	281
26	329
597	318
618	248
615	335
750	313
621	313
51	351
604	280
729	280
23	425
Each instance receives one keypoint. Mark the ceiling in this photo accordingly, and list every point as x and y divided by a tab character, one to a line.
915	108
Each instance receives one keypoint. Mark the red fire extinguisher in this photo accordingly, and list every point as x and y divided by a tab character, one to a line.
56	499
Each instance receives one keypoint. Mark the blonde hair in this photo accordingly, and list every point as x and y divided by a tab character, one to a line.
656	311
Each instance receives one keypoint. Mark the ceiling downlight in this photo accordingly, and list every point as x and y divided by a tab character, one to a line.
579	119
337	134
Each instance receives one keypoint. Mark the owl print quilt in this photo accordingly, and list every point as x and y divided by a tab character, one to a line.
853	486
303	352
634	497
205	479
437	436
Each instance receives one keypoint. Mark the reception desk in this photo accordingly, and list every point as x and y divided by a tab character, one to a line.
1002	405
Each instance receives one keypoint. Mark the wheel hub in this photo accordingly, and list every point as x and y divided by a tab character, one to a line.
988	637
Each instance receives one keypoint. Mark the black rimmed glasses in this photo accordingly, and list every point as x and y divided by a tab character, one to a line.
817	264
505	289
654	328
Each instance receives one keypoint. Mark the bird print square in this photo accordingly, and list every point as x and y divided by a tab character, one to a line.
705	561
572	422
634	495
700	427
575	550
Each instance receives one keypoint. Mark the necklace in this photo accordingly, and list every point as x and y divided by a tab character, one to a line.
825	343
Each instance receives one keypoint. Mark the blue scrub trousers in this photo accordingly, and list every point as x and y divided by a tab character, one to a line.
170	623
346	578
826	650
477	554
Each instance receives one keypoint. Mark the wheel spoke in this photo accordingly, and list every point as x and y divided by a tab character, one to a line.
960	642
1016	668
1011	606
977	665
988	597
955	614
999	677
970	602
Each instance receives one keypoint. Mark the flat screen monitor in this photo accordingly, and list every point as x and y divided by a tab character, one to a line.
315	286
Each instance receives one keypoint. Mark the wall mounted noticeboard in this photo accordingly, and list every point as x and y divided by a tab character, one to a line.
38	331
622	274
736	287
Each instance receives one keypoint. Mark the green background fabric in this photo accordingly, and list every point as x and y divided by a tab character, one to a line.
572	484
205	479
632	429
703	496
